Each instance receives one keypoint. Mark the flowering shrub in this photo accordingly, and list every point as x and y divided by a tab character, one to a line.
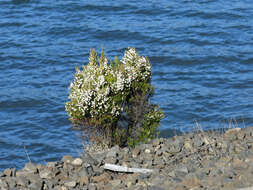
112	99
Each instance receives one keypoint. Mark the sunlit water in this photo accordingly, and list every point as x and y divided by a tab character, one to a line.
201	51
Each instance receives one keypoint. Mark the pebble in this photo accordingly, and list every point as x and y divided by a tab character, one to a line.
77	162
200	160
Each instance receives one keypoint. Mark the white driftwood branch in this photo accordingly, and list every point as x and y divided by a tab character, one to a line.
118	168
247	188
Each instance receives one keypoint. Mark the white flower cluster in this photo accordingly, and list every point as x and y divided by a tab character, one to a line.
95	88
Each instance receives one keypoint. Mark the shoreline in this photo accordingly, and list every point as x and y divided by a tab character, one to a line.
198	160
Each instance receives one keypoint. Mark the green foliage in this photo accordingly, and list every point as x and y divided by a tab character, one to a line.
111	101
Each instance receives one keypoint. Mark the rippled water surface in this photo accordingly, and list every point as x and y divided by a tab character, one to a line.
201	51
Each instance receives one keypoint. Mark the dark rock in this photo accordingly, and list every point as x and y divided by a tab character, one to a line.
90	170
13	172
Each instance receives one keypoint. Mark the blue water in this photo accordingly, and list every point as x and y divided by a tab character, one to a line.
201	51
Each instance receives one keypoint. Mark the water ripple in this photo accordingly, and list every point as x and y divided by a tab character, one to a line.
201	52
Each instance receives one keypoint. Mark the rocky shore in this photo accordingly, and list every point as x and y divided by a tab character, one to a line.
200	160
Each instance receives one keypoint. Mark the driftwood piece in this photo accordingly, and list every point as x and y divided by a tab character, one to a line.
118	168
247	188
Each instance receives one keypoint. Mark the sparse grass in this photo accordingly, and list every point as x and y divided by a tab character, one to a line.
27	155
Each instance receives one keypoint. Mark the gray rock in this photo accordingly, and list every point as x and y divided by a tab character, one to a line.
143	147
92	186
68	167
157	180
31	167
90	170
113	152
50	183
90	160
98	170
67	159
35	186
22	181
154	188
143	176
232	131
83	172
11	182
108	187
7	172
103	178
135	152
182	170
115	182
70	183
45	174
3	184
188	145
198	141
84	180
111	160
156	142
52	164
33	177
99	157
211	161
125	150
23	173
